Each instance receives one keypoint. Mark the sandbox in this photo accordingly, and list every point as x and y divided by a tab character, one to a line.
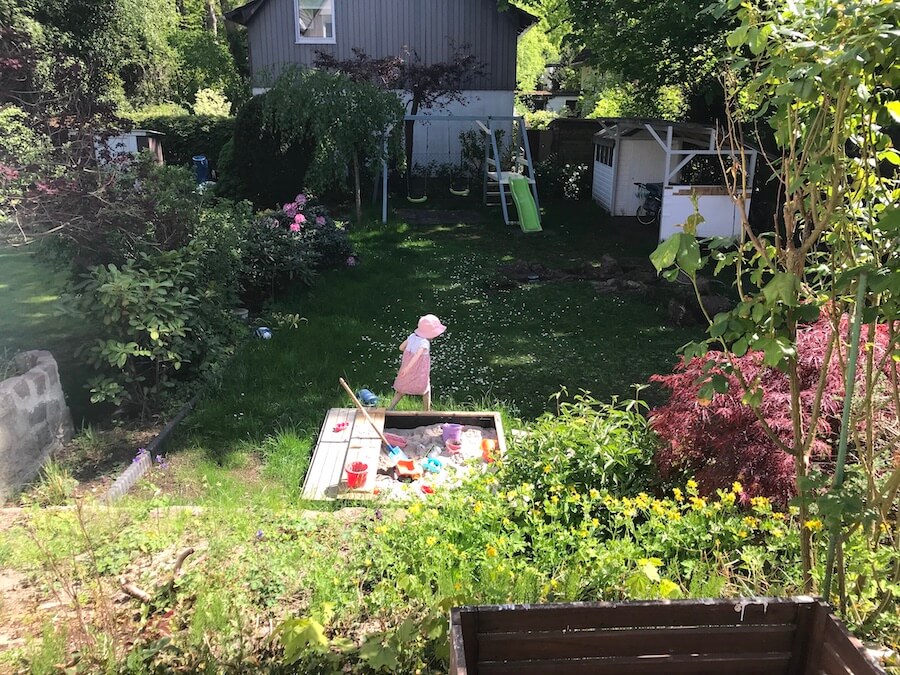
347	439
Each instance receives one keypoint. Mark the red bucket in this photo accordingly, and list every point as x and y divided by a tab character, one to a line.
357	472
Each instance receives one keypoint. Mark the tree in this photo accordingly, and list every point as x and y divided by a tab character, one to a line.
823	77
428	86
351	123
656	43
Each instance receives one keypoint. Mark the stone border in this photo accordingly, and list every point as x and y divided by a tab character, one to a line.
144	462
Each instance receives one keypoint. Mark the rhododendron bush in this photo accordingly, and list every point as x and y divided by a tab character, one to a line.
720	439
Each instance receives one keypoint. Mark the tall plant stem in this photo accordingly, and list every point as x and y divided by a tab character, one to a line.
849	387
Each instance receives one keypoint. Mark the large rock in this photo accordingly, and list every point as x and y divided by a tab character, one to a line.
34	419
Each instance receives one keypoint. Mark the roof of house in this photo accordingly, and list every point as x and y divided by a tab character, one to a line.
245	13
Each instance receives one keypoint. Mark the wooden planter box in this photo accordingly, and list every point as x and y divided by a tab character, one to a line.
355	440
764	636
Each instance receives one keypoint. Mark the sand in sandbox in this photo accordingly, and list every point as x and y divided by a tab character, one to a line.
421	441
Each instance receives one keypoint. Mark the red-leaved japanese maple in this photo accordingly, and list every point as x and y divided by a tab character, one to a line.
721	440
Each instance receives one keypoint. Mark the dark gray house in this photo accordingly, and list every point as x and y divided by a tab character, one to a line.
283	32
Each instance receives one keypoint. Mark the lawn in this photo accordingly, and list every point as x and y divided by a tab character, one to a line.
518	344
30	319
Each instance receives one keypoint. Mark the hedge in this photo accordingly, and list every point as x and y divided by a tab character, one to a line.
189	135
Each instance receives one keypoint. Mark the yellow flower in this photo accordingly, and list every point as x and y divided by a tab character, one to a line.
415	509
813	525
430	541
728	499
750	522
554	583
582	533
778	515
576	497
457	586
737	488
547	468
692	485
381	529
491	551
777	533
697	503
595	522
478	508
742	533
759	503
594	493
679	496
554	499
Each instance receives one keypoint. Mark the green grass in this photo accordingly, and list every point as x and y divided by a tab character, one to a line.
30	319
517	346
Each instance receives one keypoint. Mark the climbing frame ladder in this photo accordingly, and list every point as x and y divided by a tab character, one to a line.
496	180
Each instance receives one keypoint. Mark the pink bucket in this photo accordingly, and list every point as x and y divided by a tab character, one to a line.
452	432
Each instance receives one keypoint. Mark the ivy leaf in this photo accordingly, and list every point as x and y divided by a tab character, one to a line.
783	287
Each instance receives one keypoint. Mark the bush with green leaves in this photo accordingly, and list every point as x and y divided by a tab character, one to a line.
585	445
263	164
563	181
155	323
188	135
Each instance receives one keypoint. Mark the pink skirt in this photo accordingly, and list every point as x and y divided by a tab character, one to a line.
415	380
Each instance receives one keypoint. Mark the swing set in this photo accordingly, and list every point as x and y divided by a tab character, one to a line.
503	182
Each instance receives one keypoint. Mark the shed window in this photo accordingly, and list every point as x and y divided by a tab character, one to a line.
315	21
603	154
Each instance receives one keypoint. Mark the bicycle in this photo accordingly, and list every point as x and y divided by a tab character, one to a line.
650	195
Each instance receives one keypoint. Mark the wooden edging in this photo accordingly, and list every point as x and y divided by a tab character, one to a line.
143	463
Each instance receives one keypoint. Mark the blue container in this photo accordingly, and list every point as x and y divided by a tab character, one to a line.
367	398
201	168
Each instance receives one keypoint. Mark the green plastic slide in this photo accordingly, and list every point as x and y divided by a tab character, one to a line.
529	218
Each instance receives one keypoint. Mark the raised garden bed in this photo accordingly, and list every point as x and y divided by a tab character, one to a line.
764	636
346	437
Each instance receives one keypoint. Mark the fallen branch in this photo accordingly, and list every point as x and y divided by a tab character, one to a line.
135	592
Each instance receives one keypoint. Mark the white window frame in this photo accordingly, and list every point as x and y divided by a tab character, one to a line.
300	40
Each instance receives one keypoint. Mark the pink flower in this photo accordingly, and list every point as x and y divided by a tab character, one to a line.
300	218
300	199
320	220
295	227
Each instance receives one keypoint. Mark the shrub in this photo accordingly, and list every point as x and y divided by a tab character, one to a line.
267	169
563	181
719	438
586	445
163	322
189	135
289	246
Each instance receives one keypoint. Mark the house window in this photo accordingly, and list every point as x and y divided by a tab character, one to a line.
603	154
315	21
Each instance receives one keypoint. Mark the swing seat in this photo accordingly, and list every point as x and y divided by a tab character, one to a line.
417	200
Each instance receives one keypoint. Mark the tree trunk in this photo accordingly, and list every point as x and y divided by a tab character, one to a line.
212	22
357	192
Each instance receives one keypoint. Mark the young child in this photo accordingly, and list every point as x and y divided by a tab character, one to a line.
414	376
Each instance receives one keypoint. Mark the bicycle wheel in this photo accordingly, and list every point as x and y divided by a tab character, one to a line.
646	214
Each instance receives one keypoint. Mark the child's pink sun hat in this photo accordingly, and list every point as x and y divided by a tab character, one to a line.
430	327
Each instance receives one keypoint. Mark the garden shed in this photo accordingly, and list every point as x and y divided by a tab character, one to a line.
684	158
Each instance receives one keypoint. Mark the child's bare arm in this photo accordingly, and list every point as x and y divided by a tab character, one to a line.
403	345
